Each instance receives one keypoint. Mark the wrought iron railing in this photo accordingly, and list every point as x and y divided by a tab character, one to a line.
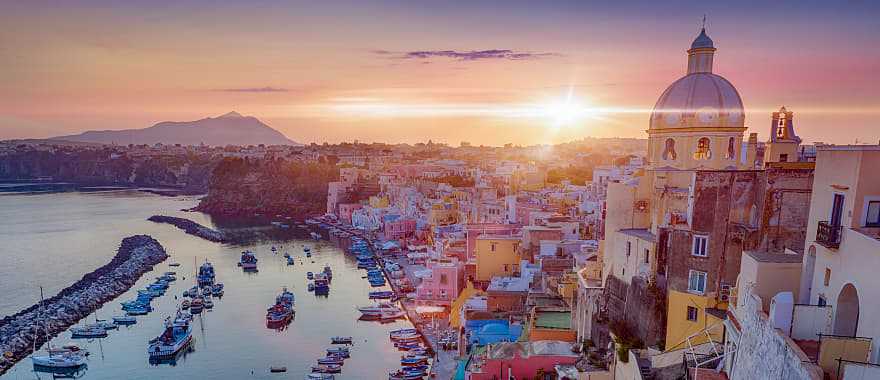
828	234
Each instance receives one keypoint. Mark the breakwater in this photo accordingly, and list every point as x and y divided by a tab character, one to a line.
191	228
136	255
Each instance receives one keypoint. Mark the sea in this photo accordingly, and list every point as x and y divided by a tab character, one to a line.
50	239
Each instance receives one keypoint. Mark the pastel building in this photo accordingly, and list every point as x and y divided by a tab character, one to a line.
443	284
497	255
519	360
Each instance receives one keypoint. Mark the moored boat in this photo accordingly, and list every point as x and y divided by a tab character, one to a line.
341	340
177	335
206	274
248	261
124	320
327	368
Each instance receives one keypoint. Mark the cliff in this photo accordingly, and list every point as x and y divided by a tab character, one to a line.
243	187
106	167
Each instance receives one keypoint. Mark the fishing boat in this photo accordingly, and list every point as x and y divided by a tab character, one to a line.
197	305
341	340
206	274
124	320
248	261
290	261
411	362
88	332
282	311
327	368
177	335
322	284
342	351
217	289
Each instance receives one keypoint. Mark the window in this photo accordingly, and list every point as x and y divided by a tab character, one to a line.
872	219
822	301
697	282
492	246
443	279
827	279
628	248
442	294
669	151
647	255
783	157
731	149
701	246
692	314
704	149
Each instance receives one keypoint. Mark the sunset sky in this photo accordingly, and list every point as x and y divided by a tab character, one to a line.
407	71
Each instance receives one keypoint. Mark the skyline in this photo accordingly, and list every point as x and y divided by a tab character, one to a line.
431	71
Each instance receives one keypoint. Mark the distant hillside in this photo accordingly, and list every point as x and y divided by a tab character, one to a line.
229	129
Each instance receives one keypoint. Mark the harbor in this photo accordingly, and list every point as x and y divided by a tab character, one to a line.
231	341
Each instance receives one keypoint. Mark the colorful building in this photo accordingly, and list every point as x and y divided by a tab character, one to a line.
496	255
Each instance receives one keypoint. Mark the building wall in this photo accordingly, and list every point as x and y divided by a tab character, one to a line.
502	261
679	328
506	301
520	368
768	279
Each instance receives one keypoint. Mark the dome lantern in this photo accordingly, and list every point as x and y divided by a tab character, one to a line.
701	54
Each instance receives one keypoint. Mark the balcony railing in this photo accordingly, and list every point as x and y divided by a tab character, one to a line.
828	235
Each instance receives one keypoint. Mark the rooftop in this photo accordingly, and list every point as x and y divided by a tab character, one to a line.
560	320
641	233
767	257
509	284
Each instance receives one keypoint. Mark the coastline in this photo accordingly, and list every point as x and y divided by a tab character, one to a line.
136	255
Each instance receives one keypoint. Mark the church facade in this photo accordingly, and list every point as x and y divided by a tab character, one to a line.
676	233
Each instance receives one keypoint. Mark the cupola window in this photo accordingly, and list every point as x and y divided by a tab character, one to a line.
704	150
731	149
669	151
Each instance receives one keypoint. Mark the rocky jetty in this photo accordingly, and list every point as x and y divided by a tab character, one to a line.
191	228
135	256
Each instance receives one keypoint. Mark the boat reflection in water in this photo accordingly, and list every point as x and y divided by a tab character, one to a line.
60	373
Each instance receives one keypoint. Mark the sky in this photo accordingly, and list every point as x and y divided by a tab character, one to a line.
522	72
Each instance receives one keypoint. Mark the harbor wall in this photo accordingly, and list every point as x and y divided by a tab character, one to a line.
136	255
191	228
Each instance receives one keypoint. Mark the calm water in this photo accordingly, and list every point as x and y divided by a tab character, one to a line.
51	240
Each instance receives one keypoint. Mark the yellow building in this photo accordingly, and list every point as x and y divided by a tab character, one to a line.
443	214
496	256
379	202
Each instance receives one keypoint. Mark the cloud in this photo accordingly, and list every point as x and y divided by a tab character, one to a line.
254	89
471	55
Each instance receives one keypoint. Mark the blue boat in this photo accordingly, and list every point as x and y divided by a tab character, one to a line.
206	274
382	294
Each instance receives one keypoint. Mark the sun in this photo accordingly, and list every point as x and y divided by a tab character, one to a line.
567	111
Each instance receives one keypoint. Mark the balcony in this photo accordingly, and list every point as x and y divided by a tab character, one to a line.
828	235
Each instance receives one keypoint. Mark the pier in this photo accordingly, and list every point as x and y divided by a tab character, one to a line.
192	228
136	255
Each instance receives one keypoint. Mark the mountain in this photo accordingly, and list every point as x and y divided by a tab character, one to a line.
230	129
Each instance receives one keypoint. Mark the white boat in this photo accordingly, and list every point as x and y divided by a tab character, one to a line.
65	360
89	331
377	310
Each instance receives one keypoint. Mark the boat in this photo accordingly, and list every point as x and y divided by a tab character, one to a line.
124	320
322	284
274	369
377	309
402	331
388	315
282	311
332	360
209	304
137	311
310	275
177	335
290	261
341	340
191	292
342	351
382	294
320	376
197	305
67	358
328	272
410	362
206	274
173	264
88	332
311	286
217	289
248	261
327	368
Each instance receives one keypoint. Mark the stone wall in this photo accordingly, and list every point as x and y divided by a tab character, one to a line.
764	352
641	307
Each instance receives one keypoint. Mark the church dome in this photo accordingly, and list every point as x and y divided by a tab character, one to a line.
701	98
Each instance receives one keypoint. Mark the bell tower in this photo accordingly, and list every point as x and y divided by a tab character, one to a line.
783	143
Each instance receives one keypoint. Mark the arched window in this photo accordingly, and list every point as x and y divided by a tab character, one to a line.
731	149
704	149
669	151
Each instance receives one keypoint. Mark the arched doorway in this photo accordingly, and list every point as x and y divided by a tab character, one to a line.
846	319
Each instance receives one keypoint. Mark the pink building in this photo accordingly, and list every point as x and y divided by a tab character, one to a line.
399	229
346	209
444	284
519	360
